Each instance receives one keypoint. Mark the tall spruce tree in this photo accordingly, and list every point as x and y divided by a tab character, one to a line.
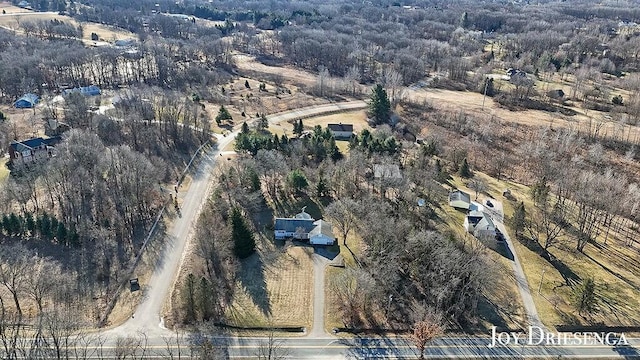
380	106
464	170
189	299
243	242
205	299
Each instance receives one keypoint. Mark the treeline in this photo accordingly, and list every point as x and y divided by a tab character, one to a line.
34	65
44	226
96	199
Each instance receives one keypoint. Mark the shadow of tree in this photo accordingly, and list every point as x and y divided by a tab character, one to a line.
253	280
568	275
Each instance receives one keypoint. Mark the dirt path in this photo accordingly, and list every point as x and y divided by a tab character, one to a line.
319	267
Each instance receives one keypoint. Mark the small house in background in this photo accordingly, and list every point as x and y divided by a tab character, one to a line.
32	150
480	225
27	101
84	90
386	171
322	234
341	131
459	200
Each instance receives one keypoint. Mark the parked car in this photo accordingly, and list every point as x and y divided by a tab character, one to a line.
489	203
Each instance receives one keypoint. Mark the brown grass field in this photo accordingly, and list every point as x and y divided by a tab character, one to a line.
105	33
278	293
613	267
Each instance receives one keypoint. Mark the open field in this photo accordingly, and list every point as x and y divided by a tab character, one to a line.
10	8
612	266
276	291
472	102
105	32
357	118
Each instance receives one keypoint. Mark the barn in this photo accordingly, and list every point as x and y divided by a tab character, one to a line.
27	101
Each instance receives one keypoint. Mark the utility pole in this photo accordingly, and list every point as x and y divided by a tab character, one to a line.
486	85
541	278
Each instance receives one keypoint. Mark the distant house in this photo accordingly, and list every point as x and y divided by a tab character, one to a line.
27	101
460	200
341	131
386	171
32	150
303	227
480	225
322	234
84	90
24	4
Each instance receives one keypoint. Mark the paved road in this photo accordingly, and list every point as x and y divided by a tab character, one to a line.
361	348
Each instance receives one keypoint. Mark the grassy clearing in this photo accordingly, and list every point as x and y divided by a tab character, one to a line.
332	317
612	266
278	290
105	33
4	171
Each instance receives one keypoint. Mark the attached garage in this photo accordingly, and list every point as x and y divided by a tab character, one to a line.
322	234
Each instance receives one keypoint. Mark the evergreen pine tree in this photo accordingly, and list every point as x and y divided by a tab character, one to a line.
30	224
45	226
61	233
246	84
189	299
584	297
321	187
263	123
464	170
298	127
15	225
518	219
223	114
245	128
205	299
243	242
379	106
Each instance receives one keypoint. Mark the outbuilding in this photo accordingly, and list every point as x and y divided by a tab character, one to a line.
459	200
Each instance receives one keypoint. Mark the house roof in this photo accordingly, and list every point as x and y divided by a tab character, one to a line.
292	225
84	90
322	227
31	98
29	144
387	171
459	196
485	223
341	127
